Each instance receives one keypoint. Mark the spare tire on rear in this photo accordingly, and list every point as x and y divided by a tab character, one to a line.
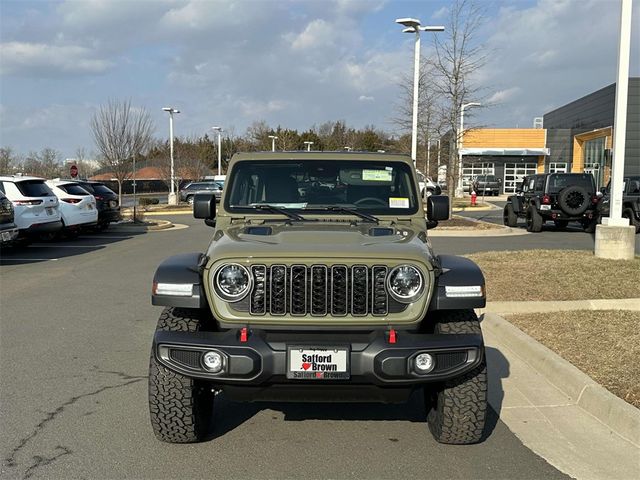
574	200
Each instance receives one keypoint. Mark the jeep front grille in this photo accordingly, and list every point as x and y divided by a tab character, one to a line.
318	290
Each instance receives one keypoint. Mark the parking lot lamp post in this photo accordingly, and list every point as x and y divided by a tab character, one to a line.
308	144
219	130
413	26
273	142
172	200
460	190
615	238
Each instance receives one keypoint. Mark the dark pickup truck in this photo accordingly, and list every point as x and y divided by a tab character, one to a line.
630	201
486	185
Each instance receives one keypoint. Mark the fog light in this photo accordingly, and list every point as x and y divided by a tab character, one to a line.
424	363
212	361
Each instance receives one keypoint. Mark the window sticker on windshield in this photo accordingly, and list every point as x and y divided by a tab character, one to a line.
398	202
376	175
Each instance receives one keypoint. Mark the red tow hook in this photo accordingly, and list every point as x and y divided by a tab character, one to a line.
244	335
392	336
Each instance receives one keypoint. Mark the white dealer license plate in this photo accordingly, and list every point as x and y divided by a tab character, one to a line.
310	363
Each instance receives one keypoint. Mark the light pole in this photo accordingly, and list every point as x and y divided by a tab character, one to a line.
219	130
172	200
460	190
308	144
615	237
273	142
413	26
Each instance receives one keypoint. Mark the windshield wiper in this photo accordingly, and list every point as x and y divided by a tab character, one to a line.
351	211
283	211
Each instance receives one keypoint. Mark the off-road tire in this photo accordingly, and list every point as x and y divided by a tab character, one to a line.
534	220
180	407
509	217
574	200
628	213
459	408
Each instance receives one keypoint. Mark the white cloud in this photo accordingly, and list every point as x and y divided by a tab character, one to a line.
23	57
442	12
318	33
365	98
504	95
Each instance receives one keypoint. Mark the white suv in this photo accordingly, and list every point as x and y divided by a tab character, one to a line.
35	205
77	206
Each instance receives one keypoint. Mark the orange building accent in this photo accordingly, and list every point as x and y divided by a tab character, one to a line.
578	142
505	138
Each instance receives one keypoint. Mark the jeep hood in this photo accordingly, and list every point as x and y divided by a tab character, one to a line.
322	241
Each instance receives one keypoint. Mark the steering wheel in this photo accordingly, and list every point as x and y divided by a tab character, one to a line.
369	200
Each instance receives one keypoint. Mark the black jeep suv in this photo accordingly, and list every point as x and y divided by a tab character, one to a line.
630	201
559	197
106	202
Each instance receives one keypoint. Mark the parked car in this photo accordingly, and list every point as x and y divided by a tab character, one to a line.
557	197
630	201
186	194
338	297
77	206
427	186
220	179
8	228
486	185
106	202
36	210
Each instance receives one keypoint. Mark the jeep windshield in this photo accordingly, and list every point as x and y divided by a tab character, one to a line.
355	187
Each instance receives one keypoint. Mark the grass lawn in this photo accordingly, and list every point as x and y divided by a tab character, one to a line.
465	203
603	344
557	275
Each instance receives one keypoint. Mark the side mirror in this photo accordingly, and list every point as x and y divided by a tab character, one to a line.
204	206
438	208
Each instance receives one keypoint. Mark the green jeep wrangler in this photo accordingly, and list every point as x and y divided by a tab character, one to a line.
320	284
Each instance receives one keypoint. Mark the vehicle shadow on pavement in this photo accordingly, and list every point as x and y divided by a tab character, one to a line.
229	414
497	369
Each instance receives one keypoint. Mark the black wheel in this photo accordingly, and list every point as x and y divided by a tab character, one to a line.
534	220
180	407
101	227
459	407
561	224
509	217
574	200
190	199
633	221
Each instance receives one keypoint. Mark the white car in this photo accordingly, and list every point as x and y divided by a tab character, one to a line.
35	206
427	186
77	206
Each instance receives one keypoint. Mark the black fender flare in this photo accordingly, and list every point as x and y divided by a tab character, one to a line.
457	272
183	269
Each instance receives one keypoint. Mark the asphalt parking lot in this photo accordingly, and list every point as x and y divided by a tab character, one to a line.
76	329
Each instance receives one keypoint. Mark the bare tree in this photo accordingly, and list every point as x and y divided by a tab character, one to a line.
458	56
121	133
8	161
429	118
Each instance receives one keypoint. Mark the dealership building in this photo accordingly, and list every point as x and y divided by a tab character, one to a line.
576	137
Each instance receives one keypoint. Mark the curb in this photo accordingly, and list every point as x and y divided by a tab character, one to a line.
582	390
160	225
505	308
472	232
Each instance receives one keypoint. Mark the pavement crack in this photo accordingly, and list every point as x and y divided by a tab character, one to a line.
39	461
10	461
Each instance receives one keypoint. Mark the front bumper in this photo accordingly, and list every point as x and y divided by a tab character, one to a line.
262	359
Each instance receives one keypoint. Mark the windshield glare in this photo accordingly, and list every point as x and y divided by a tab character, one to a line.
373	187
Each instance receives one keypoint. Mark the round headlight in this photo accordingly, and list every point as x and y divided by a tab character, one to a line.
405	283
232	282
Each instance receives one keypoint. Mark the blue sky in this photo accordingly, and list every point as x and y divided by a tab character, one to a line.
292	63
